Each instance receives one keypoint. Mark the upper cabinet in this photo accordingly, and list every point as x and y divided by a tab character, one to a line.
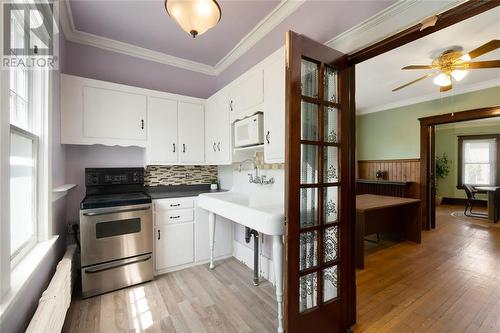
97	112
274	109
191	133
247	94
218	129
162	145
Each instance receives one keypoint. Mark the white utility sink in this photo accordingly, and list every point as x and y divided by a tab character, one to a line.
238	207
266	219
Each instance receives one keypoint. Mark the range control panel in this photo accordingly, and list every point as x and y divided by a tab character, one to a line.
114	176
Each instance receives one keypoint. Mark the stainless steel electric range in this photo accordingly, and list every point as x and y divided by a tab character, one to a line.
115	230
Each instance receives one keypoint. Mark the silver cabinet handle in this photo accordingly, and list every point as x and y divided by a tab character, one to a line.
115	211
173	145
119	263
159	235
214	146
218	146
267	137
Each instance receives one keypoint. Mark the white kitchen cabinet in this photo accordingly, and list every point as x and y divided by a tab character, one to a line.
174	245
274	109
191	127
114	114
247	94
223	236
217	130
162	145
98	112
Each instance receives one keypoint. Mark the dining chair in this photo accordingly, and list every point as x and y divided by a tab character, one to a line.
471	200
496	204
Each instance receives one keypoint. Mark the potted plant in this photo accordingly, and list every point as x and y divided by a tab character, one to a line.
442	170
214	184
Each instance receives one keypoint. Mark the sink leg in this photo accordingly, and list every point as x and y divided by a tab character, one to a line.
211	237
278	275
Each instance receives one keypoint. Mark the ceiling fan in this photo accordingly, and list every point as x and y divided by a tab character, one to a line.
455	64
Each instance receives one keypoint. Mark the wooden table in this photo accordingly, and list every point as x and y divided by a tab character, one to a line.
379	213
491	194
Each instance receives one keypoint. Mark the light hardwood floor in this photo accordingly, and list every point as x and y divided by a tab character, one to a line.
449	283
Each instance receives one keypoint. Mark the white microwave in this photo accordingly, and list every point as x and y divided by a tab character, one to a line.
249	131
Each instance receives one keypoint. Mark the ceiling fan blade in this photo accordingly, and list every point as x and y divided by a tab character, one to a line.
445	88
415	81
418	67
485	48
479	64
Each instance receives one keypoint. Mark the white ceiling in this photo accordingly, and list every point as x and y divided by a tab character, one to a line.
375	78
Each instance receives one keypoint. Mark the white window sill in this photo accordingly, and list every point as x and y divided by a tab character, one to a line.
61	191
23	272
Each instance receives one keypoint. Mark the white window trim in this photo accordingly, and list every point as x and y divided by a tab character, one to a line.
492	162
45	230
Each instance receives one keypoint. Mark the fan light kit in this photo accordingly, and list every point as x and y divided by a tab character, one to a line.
454	65
194	16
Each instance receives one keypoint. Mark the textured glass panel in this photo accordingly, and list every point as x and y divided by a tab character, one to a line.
330	282
309	119
308	291
330	243
331	117
309	164
308	250
308	207
331	204
330	78
309	78
330	165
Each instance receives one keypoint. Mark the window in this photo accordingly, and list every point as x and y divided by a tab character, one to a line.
478	157
27	105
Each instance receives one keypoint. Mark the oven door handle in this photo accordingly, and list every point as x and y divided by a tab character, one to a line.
119	263
116	211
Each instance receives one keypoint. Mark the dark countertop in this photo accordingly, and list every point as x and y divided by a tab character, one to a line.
179	191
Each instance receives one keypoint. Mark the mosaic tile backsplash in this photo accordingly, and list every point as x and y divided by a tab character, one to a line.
179	174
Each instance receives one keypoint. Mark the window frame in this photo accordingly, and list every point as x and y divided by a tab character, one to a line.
19	254
461	139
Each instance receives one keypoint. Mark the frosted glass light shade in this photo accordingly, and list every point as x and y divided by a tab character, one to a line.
194	16
458	74
442	80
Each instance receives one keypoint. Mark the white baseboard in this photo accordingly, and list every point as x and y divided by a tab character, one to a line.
191	264
245	255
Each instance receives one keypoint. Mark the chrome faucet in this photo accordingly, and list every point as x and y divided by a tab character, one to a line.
256	179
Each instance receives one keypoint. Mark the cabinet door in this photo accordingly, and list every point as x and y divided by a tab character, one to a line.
191	133
223	236
211	153
162	131
114	114
173	245
246	95
274	112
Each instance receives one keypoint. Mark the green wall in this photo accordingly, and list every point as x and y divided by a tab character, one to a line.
395	133
447	142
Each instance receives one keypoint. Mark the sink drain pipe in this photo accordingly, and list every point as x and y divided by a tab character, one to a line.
248	234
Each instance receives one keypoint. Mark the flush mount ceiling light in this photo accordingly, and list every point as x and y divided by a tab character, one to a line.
194	16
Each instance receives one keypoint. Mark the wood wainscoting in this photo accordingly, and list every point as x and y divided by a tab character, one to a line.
404	170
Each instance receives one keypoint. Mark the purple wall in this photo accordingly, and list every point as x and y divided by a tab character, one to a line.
100	64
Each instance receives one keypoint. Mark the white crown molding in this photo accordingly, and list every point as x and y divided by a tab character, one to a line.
393	19
282	11
429	97
265	26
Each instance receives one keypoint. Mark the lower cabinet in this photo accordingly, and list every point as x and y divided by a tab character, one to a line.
174	245
181	234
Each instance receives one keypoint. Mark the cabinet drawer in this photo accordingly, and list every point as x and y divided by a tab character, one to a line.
174	216
171	204
174	245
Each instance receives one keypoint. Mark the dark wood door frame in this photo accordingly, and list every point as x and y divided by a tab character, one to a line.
427	154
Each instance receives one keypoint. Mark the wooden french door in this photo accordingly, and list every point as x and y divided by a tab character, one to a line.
319	194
